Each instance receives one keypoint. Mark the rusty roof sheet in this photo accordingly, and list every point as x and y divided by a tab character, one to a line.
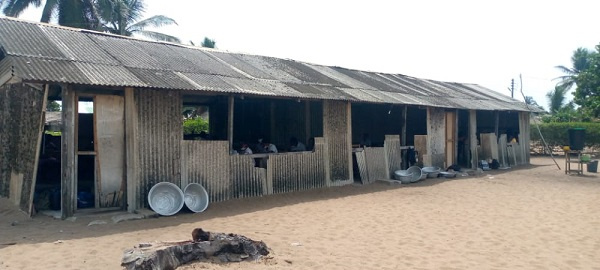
48	53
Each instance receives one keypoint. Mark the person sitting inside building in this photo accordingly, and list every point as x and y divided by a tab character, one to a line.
266	146
296	146
245	149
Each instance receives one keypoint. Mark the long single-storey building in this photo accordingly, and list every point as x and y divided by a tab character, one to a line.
123	103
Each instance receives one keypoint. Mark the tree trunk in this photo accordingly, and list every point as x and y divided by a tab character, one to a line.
205	246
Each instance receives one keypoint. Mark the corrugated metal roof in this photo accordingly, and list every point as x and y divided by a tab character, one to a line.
42	52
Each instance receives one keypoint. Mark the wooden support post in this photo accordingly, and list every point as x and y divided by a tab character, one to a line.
37	147
473	138
307	130
230	122
131	150
404	117
349	139
497	124
68	168
272	129
524	135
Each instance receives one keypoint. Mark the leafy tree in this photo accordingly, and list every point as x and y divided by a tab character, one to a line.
557	97
208	43
587	94
123	17
530	101
53	106
194	126
580	61
72	13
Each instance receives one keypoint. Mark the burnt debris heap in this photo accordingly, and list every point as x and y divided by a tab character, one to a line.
205	246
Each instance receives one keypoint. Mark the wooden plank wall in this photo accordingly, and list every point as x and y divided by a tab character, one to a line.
420	147
502	151
337	133
489	146
473	138
20	116
524	136
393	154
159	137
110	145
297	171
68	182
207	163
436	139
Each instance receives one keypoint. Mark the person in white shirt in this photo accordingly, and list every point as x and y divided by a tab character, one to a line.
269	147
296	146
245	150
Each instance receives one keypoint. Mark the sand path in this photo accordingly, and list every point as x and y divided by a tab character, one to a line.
532	217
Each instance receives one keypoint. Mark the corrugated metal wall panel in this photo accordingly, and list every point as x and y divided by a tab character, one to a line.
246	179
376	168
298	171
207	163
336	133
393	153
160	133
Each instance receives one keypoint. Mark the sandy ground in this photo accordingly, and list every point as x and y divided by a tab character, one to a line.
533	217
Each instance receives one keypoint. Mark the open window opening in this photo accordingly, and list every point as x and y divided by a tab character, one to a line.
48	179
263	126
371	122
196	122
86	153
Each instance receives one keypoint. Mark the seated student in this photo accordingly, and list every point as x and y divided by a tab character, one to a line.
268	147
245	149
296	146
259	148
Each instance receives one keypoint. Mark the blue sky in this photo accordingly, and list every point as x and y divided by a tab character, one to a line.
482	42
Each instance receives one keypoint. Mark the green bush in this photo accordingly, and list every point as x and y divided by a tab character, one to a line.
194	126
557	134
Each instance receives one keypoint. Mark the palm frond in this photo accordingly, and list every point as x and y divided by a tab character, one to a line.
566	70
154	21
14	8
49	10
158	36
567	84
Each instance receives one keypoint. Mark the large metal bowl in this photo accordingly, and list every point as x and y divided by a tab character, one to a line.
165	198
448	174
411	175
196	197
432	172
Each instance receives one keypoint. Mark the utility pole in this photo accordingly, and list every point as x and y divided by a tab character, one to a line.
512	88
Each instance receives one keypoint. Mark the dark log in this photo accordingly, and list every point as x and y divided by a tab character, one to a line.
205	246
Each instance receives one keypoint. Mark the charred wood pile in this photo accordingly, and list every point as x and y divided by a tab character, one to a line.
204	246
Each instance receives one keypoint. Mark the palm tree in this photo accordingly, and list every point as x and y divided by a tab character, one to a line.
208	43
580	61
556	98
122	17
72	13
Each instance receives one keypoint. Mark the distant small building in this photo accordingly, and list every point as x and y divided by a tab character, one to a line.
133	136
